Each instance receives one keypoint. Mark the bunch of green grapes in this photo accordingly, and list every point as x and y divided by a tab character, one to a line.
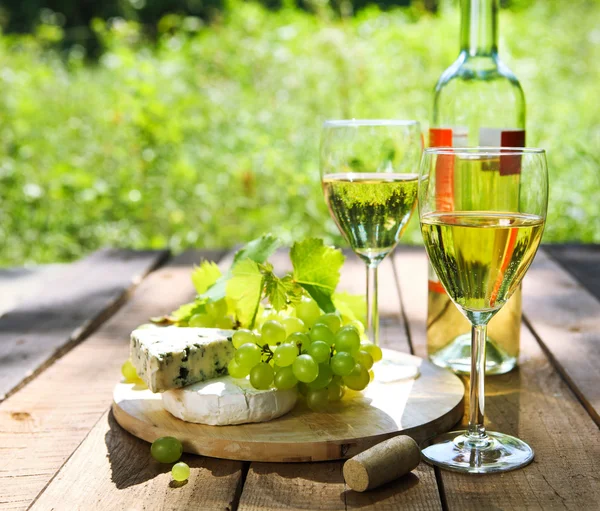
309	350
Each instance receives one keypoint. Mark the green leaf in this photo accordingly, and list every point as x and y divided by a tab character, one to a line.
351	306
258	250
205	275
317	269
245	288
281	292
187	310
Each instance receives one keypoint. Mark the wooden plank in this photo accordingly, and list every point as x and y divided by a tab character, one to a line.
566	320
533	403
114	470
17	284
301	486
321	485
45	421
74	301
581	261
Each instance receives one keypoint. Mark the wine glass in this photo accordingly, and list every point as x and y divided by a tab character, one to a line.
369	173
480	249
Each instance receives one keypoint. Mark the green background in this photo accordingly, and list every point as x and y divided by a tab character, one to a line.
201	133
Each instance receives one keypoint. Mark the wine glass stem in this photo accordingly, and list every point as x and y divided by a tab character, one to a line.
476	430
372	310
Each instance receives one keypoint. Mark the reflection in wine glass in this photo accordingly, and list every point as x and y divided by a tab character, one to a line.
480	252
369	177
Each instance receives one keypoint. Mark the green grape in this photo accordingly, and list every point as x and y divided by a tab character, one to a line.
261	376
373	350
317	400
347	339
320	351
299	339
166	449
305	368
217	309
226	323
201	321
285	379
293	325
360	328
358	379
248	355
342	363
335	391
129	372
302	388
321	332
285	354
364	359
237	371
308	311
273	332
371	375
242	337
323	379
180	471
330	320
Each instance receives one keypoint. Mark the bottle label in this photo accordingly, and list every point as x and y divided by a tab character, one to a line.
502	137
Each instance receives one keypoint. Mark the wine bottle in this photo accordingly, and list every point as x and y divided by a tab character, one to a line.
478	101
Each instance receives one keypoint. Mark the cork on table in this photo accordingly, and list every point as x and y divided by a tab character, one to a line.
60	447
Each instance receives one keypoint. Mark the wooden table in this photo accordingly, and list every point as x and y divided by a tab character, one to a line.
62	344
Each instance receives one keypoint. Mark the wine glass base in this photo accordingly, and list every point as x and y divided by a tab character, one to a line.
388	370
453	451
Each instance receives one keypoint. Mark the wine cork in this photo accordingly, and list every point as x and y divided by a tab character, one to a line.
382	463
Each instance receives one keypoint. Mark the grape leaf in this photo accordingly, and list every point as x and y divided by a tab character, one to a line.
317	269
351	306
281	291
205	275
258	250
245	288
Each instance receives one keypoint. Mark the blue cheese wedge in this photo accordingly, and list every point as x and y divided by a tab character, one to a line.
228	400
172	357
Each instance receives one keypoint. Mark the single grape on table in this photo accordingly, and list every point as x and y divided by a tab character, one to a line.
180	471
166	449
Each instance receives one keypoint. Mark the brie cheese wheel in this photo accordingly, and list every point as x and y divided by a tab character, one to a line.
226	400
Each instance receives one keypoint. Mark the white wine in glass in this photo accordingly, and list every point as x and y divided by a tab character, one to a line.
480	257
369	174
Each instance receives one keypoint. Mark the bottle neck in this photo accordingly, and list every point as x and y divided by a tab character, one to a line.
479	27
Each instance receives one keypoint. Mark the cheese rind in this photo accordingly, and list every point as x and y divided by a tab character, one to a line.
225	401
172	357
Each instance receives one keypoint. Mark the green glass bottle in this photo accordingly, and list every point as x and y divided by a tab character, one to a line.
478	101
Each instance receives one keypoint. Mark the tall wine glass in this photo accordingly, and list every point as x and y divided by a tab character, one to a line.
480	252
369	173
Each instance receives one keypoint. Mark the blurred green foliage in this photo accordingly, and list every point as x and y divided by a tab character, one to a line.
209	136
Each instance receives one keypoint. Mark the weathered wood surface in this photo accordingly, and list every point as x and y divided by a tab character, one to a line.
113	470
44	422
581	261
17	284
565	318
533	403
69	304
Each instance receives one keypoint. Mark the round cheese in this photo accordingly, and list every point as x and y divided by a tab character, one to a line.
227	400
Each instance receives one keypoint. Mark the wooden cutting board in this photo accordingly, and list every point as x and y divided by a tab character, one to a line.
430	404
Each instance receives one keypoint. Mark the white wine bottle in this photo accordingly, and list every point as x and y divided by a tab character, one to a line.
478	102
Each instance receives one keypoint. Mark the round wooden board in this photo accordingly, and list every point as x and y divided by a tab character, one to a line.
421	407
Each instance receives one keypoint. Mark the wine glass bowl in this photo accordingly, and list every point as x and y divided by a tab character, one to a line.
369	174
481	230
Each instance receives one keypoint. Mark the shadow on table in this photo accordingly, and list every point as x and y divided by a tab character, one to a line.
388	492
131	462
